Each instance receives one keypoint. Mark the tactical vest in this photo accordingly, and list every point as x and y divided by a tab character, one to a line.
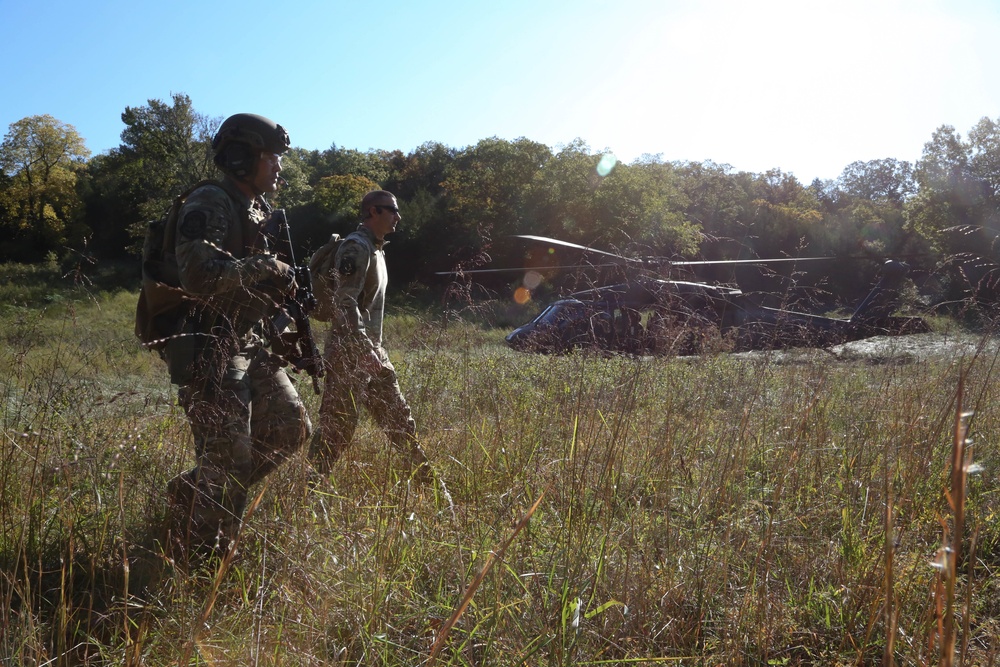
163	305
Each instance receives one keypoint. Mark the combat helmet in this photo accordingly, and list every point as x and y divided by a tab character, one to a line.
242	138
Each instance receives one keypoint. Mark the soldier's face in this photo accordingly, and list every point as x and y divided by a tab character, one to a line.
385	216
268	168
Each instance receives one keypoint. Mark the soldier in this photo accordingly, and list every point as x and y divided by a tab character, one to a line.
358	368
245	414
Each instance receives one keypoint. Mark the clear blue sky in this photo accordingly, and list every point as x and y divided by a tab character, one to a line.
806	86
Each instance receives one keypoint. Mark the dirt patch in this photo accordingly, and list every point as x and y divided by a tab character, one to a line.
887	350
918	347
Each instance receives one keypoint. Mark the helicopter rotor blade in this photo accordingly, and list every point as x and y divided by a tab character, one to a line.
574	246
706	262
667	262
522	269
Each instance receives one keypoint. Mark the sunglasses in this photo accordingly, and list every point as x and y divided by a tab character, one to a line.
388	208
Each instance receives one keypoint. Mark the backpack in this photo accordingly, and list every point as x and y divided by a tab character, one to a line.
162	305
324	278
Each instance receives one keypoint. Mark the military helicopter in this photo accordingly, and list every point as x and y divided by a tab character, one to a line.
656	316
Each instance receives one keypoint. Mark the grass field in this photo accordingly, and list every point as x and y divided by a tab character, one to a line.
718	510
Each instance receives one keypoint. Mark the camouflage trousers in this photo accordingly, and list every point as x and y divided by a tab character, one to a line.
348	387
246	419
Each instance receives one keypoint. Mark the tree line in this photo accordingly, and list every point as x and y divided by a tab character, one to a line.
461	205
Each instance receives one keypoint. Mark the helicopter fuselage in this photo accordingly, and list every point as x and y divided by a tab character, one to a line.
669	317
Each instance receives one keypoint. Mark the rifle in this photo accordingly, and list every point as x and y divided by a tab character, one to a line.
297	347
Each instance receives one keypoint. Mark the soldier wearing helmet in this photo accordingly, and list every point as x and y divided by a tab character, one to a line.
245	414
358	368
242	140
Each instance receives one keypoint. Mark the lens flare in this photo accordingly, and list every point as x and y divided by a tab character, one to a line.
606	164
532	279
522	295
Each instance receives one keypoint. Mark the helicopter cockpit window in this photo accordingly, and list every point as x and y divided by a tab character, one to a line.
563	326
552	315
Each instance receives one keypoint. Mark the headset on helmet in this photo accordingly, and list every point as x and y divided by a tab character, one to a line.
242	138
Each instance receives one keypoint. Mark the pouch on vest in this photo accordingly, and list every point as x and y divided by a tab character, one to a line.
162	305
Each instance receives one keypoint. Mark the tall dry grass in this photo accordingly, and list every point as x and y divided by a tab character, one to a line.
743	510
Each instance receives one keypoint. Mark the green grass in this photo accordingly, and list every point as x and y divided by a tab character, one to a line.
701	511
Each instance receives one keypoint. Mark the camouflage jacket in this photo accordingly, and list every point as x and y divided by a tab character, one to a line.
223	262
360	296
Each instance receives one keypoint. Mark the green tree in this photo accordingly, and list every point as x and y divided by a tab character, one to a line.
489	184
718	201
957	208
165	149
296	190
350	162
423	169
863	217
41	159
309	163
947	198
885	180
984	163
564	203
641	209
875	194
784	216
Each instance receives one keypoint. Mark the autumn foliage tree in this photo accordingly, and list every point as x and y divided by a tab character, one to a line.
40	211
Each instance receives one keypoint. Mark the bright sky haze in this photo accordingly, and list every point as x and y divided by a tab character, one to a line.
805	86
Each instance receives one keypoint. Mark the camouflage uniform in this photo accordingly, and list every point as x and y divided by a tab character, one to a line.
359	303
245	415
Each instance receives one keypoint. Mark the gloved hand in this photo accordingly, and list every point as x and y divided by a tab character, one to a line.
279	274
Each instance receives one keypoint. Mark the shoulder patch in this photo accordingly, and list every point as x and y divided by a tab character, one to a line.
347	257
347	266
193	225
